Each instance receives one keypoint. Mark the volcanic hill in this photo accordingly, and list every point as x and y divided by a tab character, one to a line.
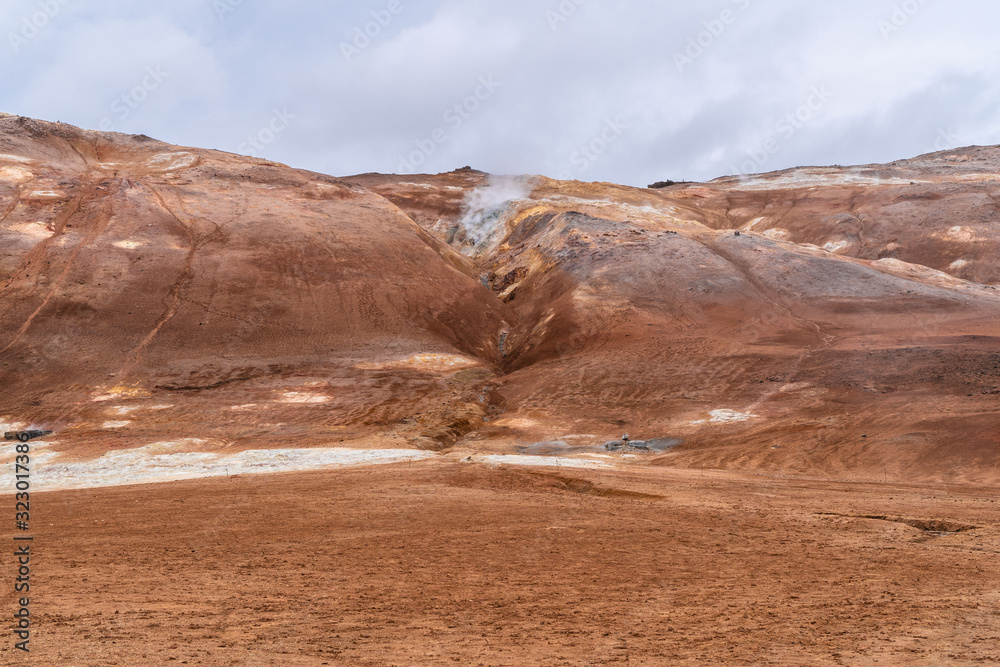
837	322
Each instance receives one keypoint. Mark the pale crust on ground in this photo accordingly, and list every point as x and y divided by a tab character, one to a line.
792	348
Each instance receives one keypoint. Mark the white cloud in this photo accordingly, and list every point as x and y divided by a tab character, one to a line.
138	73
893	96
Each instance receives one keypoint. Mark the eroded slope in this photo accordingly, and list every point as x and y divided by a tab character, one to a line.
193	302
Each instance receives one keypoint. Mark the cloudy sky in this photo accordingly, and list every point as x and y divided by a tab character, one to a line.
630	91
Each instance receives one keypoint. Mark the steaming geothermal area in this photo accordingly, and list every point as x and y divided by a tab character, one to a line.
378	420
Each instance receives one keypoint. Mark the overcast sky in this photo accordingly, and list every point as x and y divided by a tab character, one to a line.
629	91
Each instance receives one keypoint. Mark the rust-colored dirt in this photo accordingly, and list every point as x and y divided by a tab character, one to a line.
463	564
815	355
236	301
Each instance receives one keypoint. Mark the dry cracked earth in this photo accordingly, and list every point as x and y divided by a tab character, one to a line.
300	419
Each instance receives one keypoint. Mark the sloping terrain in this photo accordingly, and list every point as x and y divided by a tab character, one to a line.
819	321
675	313
151	293
807	364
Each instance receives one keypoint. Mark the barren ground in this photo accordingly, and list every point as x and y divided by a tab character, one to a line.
814	353
456	563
